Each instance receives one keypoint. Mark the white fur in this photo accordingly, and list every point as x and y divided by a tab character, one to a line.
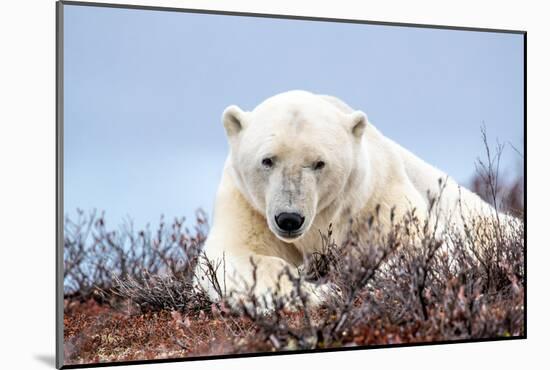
363	170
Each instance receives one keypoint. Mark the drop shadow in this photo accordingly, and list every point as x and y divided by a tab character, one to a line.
46	359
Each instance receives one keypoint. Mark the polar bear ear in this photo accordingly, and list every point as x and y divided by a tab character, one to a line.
358	122
232	118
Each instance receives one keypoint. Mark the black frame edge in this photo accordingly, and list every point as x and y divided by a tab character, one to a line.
59	326
286	16
525	180
293	352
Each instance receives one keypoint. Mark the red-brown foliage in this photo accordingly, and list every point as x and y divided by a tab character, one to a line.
129	295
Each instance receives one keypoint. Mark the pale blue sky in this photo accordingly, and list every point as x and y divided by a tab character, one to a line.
144	92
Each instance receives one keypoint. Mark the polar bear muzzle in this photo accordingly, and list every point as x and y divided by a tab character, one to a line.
289	222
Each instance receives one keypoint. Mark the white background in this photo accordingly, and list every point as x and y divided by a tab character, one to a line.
27	181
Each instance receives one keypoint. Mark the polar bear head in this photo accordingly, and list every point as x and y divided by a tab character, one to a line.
292	157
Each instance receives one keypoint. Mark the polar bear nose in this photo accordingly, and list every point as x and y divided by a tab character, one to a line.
289	222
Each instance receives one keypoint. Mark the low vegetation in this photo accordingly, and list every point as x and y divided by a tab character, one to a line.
129	294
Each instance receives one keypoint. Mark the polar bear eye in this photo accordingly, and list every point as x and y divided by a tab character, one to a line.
267	162
319	165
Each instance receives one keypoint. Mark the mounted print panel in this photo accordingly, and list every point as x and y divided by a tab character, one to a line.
235	184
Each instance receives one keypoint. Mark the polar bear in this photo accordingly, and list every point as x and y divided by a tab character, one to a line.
298	163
